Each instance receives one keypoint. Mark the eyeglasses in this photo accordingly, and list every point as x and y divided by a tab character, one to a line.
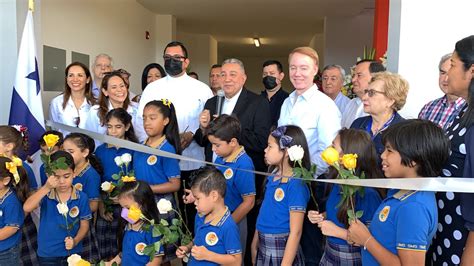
175	57
372	92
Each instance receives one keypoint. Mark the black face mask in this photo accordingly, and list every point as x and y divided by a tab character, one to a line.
173	66
269	82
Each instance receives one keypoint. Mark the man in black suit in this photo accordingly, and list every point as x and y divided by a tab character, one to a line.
253	112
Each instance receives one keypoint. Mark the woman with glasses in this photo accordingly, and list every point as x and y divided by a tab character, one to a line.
385	96
72	106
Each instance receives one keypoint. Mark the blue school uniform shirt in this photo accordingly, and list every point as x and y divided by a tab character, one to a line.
52	228
368	204
239	183
221	235
154	169
11	214
88	181
133	244
31	176
107	153
281	196
404	220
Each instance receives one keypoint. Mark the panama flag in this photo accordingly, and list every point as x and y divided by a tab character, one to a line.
26	106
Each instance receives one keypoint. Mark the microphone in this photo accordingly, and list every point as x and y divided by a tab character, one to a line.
219	102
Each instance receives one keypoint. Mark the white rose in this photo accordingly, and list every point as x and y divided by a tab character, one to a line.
296	153
73	259
164	206
106	186
126	158
118	161
62	208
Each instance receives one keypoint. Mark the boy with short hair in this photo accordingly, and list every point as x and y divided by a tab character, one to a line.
216	239
45	151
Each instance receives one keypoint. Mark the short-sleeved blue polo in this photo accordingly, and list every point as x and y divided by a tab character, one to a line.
52	228
88	181
106	154
404	220
154	169
282	195
134	241
239	183
368	204
11	214
221	235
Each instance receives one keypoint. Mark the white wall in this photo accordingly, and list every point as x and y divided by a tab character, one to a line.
345	39
415	51
92	27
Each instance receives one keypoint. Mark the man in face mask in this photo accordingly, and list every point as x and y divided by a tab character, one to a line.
188	96
272	77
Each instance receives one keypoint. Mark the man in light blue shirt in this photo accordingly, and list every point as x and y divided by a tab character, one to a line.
313	111
102	64
333	81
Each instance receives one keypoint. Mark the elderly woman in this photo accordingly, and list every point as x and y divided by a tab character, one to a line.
454	233
72	106
113	94
386	94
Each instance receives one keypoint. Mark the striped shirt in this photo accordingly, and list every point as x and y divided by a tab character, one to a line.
441	112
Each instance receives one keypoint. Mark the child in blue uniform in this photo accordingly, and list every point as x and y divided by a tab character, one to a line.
162	174
135	237
280	221
12	141
12	180
45	151
404	224
216	236
119	125
57	238
337	251
86	179
224	134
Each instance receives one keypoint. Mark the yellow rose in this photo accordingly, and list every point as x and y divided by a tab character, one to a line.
128	179
349	161
83	262
51	140
134	213
330	156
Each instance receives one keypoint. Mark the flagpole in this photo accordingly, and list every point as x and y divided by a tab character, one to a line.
31	5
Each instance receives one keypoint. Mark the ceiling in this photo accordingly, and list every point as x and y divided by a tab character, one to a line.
281	25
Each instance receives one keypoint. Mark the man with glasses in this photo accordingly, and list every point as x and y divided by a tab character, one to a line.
102	64
360	81
188	96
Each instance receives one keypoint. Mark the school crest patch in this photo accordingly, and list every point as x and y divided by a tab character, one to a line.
139	247
211	239
151	160
279	194
228	174
383	215
74	212
78	186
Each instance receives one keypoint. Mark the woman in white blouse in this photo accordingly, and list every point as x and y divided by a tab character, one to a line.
72	106
113	94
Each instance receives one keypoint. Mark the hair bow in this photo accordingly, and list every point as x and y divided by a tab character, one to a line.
284	140
166	102
12	168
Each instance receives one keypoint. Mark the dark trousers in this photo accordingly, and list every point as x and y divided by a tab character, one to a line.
52	261
188	211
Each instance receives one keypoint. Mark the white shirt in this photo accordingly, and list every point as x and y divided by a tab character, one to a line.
342	101
319	118
69	114
93	121
354	110
188	96
229	103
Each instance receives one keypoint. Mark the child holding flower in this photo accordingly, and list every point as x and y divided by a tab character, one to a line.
358	154
119	125
65	213
50	142
405	222
280	221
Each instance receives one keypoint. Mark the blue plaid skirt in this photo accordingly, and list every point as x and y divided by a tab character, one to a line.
344	255
271	248
106	233
90	250
29	243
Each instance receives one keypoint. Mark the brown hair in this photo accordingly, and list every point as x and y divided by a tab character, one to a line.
9	134
104	100
22	188
88	88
